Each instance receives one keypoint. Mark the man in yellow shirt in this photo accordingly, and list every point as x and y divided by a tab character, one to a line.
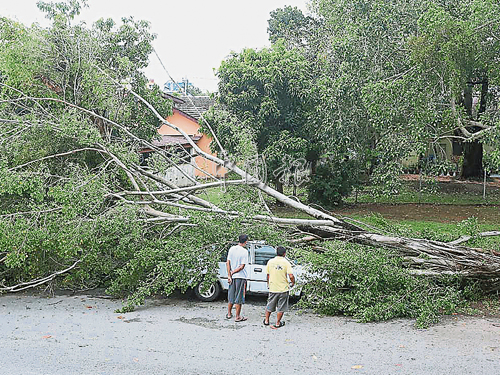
277	270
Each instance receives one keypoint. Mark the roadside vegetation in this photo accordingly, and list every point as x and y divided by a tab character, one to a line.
373	285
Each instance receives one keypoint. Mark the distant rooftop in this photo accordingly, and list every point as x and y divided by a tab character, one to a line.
193	106
170	140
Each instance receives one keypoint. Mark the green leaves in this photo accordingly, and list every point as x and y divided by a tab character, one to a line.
372	285
164	265
55	169
268	99
333	180
289	24
68	9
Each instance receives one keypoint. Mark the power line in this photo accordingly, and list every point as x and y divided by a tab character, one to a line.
192	103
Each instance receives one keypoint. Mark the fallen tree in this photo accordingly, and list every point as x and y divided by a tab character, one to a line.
76	202
430	257
425	256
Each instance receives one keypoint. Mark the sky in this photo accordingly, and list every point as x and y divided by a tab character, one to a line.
193	36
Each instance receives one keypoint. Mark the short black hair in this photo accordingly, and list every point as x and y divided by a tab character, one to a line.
242	238
280	251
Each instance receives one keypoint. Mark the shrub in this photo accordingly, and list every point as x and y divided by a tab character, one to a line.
332	180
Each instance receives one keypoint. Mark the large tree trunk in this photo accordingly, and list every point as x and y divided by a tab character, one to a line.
473	160
422	256
473	151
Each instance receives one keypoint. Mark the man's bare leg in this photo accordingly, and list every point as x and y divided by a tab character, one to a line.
278	318
238	311
268	315
229	310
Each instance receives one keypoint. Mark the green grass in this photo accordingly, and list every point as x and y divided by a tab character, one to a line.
430	229
213	195
430	193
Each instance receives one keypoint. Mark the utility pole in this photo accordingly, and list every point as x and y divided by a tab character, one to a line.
484	184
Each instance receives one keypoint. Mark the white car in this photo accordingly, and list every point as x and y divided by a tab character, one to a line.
258	254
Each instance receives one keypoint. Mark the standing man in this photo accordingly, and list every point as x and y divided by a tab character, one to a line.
277	270
237	259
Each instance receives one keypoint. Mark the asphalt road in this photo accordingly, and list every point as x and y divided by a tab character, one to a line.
83	335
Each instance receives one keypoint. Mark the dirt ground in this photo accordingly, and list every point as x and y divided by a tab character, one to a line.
436	212
83	335
425	212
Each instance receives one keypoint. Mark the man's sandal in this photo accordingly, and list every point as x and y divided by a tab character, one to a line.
264	322
276	326
242	319
229	317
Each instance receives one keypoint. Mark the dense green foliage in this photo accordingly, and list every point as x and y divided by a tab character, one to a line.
374	81
272	103
270	93
372	285
331	181
166	264
290	25
57	167
402	76
71	133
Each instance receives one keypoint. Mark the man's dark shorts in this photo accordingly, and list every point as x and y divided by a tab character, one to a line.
277	302
236	292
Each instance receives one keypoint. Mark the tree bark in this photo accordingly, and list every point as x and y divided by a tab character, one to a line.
424	256
279	189
472	165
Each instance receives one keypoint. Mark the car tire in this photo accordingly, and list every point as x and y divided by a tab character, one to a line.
211	294
294	299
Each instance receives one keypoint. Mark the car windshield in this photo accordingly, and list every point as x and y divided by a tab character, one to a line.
263	254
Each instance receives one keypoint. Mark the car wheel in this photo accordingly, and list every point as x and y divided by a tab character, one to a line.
295	298
210	294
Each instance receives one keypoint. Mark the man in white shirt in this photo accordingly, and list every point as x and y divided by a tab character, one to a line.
237	259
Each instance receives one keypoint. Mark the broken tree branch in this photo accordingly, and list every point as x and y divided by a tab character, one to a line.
184	189
432	255
38	282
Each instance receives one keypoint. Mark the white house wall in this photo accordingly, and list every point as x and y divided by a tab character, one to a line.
178	178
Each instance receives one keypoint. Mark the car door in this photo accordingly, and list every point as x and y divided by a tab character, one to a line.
222	272
260	255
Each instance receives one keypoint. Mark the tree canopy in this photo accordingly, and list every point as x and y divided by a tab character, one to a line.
75	112
275	100
406	74
270	95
